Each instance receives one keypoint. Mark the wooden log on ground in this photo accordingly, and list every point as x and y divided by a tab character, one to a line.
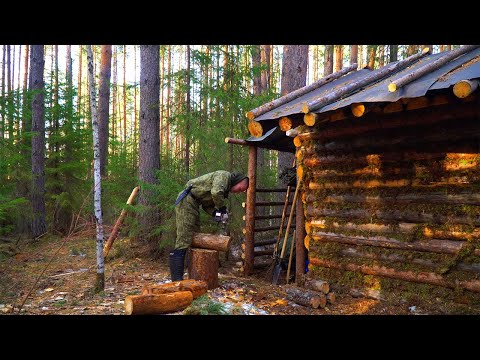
196	287
429	67
353	86
211	241
119	222
157	304
464	88
331	297
305	297
421	277
317	285
204	266
414	118
297	93
435	246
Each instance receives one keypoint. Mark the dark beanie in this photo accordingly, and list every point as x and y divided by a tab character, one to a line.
236	178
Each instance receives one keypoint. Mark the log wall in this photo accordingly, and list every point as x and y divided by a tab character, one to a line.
394	204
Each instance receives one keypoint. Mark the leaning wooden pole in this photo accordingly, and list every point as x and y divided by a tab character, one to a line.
250	211
300	250
119	222
356	85
299	92
427	68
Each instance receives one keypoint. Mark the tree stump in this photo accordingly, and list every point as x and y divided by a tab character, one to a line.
204	266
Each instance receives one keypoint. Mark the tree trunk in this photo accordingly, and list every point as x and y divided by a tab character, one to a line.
2	103
157	304
204	266
26	125
104	105
211	241
79	97
149	135
305	297
372	52
196	287
187	120
294	76
37	61
134	130
256	64
97	188
167	115
353	54
114	95
338	57
393	53
125	95
381	56
328	62
266	51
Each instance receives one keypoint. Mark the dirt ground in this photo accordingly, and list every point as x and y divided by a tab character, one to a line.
66	287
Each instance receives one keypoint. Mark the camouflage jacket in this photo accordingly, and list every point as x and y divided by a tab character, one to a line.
211	190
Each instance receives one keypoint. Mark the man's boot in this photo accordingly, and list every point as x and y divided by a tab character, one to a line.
176	260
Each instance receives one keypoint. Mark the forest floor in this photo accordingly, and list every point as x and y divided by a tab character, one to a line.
66	287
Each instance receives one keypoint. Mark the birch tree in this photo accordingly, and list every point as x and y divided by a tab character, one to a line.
97	184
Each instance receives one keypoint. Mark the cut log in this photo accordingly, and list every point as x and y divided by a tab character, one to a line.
119	222
204	266
305	297
255	128
358	110
310	119
331	298
435	246
463	88
285	123
235	141
299	92
196	287
297	141
356	85
317	285
420	277
157	304
211	241
428	68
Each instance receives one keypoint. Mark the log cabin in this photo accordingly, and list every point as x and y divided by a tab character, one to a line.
389	164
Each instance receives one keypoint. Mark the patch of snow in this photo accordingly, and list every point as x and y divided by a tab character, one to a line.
412	308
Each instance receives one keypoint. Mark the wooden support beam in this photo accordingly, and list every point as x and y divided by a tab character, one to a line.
242	142
267	203
429	67
250	211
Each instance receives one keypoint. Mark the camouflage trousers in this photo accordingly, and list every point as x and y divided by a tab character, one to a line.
187	216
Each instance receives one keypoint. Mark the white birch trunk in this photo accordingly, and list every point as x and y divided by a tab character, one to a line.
97	190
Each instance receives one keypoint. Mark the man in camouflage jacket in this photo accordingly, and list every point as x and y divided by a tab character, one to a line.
208	191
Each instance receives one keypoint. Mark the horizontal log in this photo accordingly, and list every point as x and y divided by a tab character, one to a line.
196	287
268	217
265	242
430	198
350	252
426	232
421	277
432	115
157	304
434	245
270	203
211	241
263	252
317	285
305	297
392	215
234	141
268	228
299	92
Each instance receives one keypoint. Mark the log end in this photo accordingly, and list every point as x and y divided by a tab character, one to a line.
128	305
392	87
255	128
250	115
358	110
306	242
285	123
426	50
227	139
305	108
310	118
463	88
296	141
